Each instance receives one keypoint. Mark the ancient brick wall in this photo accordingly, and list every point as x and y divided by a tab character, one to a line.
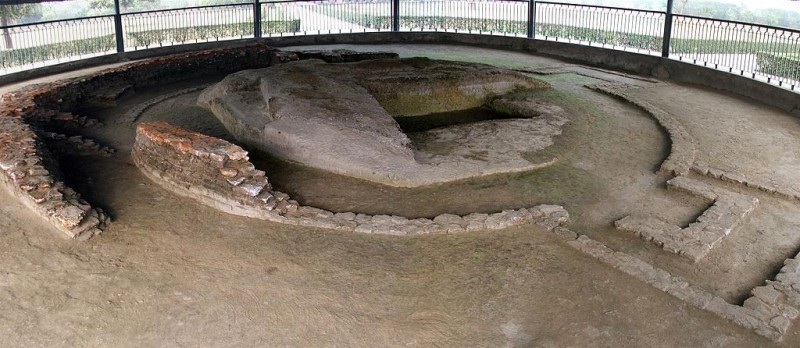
31	172
214	171
218	173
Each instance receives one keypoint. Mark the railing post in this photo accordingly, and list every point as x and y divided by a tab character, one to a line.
118	28
667	30
531	19
256	18
395	15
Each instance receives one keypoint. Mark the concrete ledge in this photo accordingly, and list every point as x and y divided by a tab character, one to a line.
641	64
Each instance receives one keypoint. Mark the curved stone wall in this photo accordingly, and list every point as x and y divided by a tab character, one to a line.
218	174
31	172
29	169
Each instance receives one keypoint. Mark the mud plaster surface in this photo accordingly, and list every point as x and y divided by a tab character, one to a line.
292	110
171	272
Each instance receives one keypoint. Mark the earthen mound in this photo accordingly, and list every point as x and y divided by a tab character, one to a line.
341	117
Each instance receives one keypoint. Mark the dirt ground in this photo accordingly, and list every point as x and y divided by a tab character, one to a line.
171	272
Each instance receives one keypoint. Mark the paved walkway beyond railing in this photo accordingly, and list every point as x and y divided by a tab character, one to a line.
765	53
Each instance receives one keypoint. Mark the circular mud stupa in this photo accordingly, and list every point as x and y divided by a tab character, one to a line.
464	119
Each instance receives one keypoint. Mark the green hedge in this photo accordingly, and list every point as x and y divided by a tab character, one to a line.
648	42
36	54
207	32
615	38
729	47
787	66
28	55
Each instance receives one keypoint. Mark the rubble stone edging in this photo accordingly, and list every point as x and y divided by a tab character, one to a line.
726	213
769	312
218	174
27	118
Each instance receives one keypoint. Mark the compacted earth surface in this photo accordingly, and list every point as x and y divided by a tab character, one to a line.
169	271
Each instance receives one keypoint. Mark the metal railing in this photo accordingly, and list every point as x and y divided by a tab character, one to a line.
613	27
29	46
501	17
187	25
331	17
758	51
761	52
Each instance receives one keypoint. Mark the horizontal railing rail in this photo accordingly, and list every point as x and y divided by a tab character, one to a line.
758	51
148	29
190	8
500	17
763	52
614	27
597	7
40	44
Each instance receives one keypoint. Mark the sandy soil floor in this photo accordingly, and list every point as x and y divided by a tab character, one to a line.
171	272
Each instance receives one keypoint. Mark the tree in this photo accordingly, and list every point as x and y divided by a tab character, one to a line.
682	9
127	4
10	12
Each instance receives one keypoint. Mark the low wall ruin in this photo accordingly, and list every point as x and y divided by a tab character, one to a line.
218	174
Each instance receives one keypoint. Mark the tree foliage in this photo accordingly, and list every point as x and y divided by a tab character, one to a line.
126	4
8	14
11	12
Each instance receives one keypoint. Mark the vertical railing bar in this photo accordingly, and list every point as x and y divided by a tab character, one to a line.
395	15
257	33
668	18
118	28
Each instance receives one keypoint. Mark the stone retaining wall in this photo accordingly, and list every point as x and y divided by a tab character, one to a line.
695	241
217	173
682	158
683	151
29	116
785	191
771	321
769	312
25	170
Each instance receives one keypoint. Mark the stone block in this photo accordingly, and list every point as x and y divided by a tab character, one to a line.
446	219
475	225
760	309
768	294
498	221
592	248
251	187
666	282
769	333
787	310
364	228
476	217
565	233
694	187
780	323
791	266
519	216
550	215
694	296
346	216
454	228
69	216
646	227
228	172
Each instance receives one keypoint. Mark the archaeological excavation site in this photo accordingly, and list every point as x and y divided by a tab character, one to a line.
397	187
